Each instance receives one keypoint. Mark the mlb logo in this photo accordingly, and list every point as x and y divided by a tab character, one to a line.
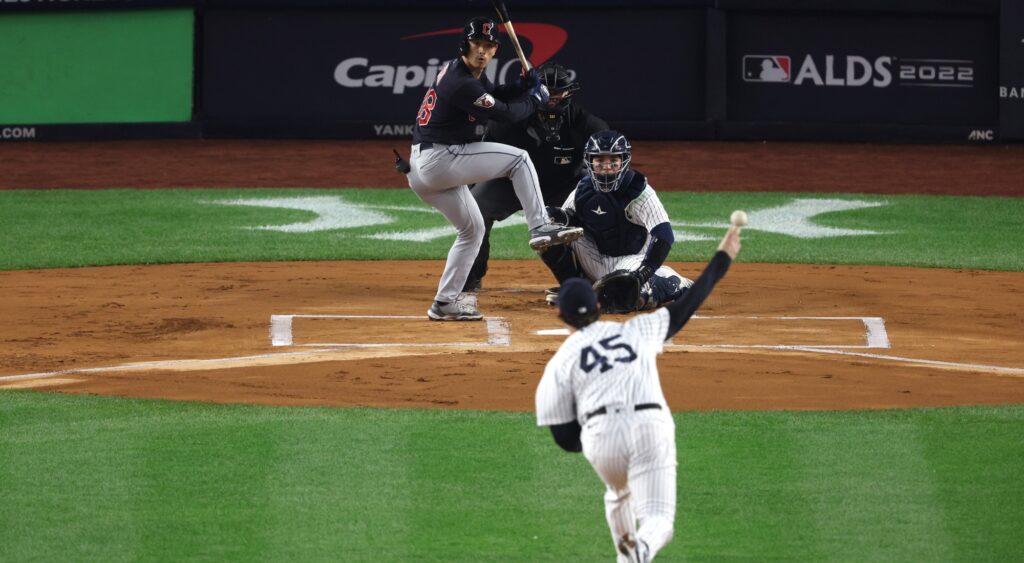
766	68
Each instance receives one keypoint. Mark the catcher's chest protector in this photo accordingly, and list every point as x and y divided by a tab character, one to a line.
603	215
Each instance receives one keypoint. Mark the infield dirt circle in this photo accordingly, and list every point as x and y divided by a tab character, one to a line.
341	333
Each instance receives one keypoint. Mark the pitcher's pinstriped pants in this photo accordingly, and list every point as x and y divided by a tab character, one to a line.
634	454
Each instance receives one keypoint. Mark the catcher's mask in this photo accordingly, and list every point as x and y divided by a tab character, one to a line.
607	143
577	302
483	29
561	84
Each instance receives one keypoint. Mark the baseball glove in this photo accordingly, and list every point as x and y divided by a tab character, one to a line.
619	292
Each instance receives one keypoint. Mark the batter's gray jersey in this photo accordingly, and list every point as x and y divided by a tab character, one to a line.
603	364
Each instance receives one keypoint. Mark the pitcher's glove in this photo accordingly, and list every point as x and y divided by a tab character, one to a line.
619	291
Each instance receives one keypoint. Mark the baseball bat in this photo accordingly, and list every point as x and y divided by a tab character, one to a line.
499	6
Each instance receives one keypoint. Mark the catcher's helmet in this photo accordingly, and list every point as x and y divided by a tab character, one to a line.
607	142
577	302
561	84
478	28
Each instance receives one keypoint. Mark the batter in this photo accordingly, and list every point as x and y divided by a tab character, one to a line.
446	156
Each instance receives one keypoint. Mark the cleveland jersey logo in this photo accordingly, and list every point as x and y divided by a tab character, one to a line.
599	211
486	101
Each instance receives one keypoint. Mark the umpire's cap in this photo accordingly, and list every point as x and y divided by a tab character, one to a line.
577	303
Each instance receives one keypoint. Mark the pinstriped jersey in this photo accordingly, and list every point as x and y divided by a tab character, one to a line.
604	363
645	210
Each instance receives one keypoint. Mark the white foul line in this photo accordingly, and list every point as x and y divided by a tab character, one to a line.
158	364
978	367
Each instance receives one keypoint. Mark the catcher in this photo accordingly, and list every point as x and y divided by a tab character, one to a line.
627	235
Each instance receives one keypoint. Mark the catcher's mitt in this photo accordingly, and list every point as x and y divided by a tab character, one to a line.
618	292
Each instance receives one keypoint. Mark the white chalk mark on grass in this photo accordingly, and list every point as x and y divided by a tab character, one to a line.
332	212
419	235
794	219
427	235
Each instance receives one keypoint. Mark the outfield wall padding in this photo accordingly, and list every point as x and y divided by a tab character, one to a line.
131	66
832	70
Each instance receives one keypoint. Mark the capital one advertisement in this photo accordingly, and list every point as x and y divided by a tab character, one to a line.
373	67
884	69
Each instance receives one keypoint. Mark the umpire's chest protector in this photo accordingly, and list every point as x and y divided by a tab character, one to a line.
603	215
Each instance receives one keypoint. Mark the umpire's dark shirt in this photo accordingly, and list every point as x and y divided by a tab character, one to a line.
560	164
456	103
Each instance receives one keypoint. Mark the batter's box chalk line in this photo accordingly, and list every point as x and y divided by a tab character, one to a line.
282	333
875	335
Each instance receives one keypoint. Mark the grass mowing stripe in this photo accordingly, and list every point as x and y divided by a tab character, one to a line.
61	228
875	488
115	479
734	497
207	478
969	451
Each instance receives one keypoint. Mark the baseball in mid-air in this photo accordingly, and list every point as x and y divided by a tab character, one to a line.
738	218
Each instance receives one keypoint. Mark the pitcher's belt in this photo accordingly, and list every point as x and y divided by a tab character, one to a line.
604	410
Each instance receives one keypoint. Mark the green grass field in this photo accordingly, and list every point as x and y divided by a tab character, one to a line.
57	228
87	478
105	479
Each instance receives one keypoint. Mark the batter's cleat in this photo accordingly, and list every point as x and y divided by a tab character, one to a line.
551	296
550	234
462	309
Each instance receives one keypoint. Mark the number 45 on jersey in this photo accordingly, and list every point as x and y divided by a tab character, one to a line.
591	357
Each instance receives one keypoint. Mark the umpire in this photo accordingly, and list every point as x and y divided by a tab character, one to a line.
554	137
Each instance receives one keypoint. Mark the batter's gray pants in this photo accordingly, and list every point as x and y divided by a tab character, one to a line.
440	175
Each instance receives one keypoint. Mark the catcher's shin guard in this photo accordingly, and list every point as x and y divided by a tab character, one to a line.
562	263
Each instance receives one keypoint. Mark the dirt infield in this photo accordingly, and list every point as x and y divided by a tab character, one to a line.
204	333
318	333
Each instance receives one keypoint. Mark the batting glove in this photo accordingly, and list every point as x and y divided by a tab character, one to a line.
540	92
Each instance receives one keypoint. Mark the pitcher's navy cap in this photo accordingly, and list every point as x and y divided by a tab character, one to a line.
576	299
